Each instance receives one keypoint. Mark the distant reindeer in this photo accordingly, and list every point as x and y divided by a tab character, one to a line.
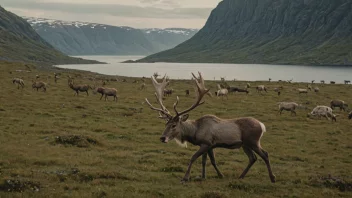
347	82
19	82
261	88
269	79
322	81
79	88
332	82
313	81
56	77
156	75
39	85
143	86
107	92
187	92
210	132
168	92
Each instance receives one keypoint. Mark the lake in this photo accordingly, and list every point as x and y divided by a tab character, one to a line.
245	72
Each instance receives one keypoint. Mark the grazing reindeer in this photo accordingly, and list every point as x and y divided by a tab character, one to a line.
323	111
322	81
78	88
350	115
168	92
19	82
288	106
332	82
210	132
39	85
222	92
313	81
347	82
261	88
107	92
339	103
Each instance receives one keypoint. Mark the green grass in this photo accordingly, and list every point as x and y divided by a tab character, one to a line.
119	153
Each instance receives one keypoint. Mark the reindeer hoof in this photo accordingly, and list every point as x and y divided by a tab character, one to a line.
273	179
221	176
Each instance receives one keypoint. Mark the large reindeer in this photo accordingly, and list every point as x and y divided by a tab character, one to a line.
210	132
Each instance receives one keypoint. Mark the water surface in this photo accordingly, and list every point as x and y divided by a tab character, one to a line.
211	71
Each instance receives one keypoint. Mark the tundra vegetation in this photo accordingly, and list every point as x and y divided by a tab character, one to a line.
55	144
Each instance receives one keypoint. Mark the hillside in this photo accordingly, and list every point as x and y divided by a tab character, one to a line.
314	32
55	144
19	42
81	38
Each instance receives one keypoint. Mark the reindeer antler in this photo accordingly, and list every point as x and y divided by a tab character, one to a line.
201	92
159	88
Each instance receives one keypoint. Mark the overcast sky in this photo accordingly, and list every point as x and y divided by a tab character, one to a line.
133	13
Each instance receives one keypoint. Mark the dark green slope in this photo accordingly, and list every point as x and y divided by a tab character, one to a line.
309	32
19	42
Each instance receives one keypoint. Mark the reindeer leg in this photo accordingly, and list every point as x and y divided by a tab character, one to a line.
87	93
293	111
213	162
204	163
252	160
201	151
101	96
265	156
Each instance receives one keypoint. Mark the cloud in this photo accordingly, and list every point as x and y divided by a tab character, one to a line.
115	9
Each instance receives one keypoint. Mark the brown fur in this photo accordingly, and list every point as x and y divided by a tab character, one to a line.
39	85
79	88
19	82
108	92
338	103
211	132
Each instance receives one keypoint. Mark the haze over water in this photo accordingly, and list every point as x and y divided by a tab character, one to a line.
245	72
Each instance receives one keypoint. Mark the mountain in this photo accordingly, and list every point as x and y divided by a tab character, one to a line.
81	38
307	32
168	38
19	42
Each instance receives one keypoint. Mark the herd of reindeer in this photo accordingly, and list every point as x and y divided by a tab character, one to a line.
208	132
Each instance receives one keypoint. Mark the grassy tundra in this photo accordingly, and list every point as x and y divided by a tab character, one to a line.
53	144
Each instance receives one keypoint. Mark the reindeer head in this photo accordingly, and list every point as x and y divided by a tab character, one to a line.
173	124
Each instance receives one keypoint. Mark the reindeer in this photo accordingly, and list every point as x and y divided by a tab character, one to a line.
168	92
156	75
187	92
261	88
210	132
19	82
78	88
56	77
143	86
39	85
107	92
347	82
222	92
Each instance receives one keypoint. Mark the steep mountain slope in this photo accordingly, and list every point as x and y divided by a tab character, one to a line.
168	38
19	42
315	32
80	38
